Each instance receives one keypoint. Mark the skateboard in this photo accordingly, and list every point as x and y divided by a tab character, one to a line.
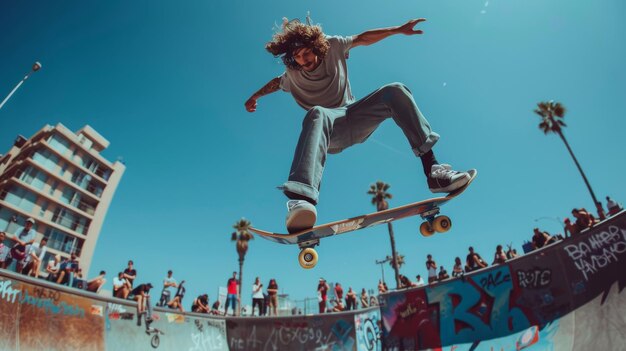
309	238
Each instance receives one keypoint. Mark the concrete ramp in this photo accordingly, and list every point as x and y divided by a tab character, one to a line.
568	296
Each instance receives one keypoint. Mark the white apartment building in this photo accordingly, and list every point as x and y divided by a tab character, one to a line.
59	178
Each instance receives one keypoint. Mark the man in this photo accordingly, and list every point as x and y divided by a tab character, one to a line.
4	251
338	291
130	273
350	299
141	294
322	294
32	261
24	238
473	261
540	238
431	267
95	284
121	286
316	76
257	296
443	274
201	304
177	301
168	282
232	287
419	281
67	269
613	206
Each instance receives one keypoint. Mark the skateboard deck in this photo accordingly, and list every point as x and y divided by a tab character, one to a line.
428	209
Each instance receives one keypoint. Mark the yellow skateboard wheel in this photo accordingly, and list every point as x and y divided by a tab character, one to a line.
442	224
307	258
426	229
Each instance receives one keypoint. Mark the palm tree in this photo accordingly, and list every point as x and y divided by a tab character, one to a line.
379	199
241	235
552	115
400	260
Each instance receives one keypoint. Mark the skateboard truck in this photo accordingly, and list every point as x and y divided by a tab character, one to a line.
308	256
433	223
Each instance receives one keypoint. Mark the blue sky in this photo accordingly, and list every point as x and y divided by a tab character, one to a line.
165	83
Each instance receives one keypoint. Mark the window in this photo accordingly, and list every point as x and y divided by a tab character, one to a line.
21	198
43	208
33	177
59	143
61	241
46	159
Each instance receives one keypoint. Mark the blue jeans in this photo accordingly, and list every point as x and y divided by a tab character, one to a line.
231	298
330	130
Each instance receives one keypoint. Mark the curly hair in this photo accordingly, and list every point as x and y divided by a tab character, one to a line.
296	35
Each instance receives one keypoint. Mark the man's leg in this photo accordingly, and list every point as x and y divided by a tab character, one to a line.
395	101
305	176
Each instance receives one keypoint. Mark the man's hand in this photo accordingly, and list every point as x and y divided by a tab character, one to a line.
251	104
409	27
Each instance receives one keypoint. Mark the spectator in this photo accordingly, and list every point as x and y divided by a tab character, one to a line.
457	270
34	256
338	306
4	250
322	292
201	304
121	286
570	228
53	268
215	308
431	267
364	298
419	281
499	257
382	287
511	253
584	219
130	273
540	239
272	293
168	283
177	301
338	291
405	282
96	283
473	261
350	299
373	301
257	296
443	274
231	299
25	238
141	294
67	270
613	206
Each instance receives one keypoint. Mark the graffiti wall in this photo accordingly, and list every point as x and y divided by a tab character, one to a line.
36	315
568	296
530	300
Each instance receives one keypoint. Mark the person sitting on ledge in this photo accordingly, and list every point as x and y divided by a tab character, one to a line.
95	284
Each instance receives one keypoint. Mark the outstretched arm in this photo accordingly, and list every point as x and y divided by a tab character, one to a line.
272	86
375	35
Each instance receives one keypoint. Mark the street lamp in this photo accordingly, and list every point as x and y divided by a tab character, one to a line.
36	67
381	263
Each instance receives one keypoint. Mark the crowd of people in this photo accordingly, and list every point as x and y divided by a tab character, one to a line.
26	256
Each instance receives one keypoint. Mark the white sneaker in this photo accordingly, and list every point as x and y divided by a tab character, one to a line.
301	215
443	179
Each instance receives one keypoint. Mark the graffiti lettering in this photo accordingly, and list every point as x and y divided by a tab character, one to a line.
534	278
44	293
470	310
211	338
600	250
7	292
51	307
492	281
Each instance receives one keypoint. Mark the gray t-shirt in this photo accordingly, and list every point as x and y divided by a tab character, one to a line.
327	85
